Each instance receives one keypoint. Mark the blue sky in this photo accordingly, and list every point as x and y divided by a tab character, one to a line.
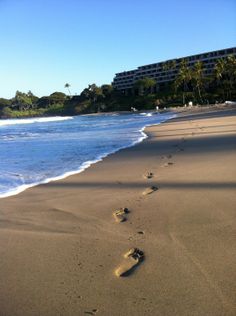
46	43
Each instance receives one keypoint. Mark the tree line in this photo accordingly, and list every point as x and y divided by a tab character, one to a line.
190	84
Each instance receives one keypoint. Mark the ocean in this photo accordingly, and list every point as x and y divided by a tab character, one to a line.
40	150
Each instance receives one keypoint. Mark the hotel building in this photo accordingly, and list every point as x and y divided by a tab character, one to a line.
166	71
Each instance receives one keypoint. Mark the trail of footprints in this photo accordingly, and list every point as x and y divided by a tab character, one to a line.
135	256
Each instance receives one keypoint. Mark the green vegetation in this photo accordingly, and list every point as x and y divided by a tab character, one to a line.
190	85
145	86
218	87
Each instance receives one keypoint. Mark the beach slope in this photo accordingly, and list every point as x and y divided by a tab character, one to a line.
148	231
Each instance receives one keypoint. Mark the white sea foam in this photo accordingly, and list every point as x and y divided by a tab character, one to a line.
146	114
23	187
34	120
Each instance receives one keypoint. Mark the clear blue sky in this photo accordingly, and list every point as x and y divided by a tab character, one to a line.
46	43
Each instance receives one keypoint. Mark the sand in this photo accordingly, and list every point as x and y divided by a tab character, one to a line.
64	253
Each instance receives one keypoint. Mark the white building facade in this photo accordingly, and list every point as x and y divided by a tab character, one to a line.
166	71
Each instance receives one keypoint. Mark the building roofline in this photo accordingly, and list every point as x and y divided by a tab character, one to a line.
176	58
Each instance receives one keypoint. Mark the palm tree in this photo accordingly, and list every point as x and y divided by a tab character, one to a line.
230	74
67	86
183	78
198	78
169	65
145	85
220	69
166	66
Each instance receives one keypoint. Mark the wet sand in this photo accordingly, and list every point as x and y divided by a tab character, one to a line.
65	246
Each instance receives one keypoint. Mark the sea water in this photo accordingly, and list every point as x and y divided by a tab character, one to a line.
40	150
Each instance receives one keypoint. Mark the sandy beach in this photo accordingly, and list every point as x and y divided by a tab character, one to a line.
62	246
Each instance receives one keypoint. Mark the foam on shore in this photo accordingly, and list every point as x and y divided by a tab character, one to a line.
34	120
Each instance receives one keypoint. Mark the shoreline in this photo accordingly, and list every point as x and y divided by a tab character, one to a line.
161	110
84	165
100	158
61	245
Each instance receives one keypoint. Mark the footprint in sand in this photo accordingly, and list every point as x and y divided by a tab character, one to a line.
93	312
120	214
148	175
167	164
132	258
150	190
140	232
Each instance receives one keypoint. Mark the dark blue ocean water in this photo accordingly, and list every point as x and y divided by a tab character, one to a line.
40	150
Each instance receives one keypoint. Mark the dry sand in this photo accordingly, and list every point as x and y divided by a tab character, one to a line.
61	245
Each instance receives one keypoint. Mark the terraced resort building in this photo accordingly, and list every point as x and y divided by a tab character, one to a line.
165	72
